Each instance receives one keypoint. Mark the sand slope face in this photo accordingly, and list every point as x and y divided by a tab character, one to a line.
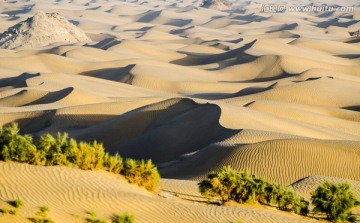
280	161
41	30
192	88
71	193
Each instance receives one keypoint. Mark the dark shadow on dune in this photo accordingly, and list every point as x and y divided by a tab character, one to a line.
263	79
235	40
284	27
25	10
160	134
36	124
243	92
335	22
143	29
94	8
179	31
16	82
355	39
105	44
198	165
250	18
237	56
179	22
52	97
149	16
349	56
13	18
309	79
119	74
352	108
75	23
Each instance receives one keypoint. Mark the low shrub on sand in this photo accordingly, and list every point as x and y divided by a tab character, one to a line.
243	187
64	151
124	218
336	201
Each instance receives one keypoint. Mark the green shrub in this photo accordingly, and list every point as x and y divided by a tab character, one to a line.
113	163
92	218
90	156
4	211
334	200
41	216
242	187
44	209
61	150
142	173
91	213
53	149
16	203
219	185
227	184
288	200
12	212
41	220
15	147
124	218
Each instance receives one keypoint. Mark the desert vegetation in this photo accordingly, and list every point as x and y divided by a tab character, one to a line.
42	216
124	218
243	187
92	218
16	203
64	151
334	200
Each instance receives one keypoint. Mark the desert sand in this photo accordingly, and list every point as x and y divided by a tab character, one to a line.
193	87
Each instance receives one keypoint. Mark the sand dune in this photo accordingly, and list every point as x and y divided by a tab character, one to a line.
193	88
281	161
71	193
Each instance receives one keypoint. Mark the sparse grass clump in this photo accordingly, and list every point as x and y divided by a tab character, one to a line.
124	218
336	201
16	203
4	211
64	151
41	216
92	219
243	187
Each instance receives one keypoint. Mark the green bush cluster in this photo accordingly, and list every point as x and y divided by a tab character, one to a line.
242	187
124	218
335	200
41	216
15	203
64	151
142	173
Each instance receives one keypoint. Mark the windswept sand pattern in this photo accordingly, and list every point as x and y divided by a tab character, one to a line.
281	161
193	88
68	192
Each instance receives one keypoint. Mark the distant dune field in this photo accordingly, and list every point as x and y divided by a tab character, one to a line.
193	88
